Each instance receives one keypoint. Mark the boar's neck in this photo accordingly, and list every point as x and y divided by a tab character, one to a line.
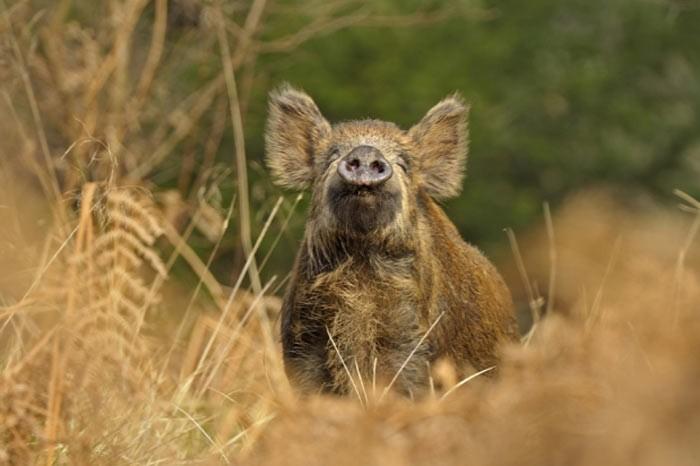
324	252
326	255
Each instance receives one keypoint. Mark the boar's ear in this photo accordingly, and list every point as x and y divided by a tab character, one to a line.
442	139
292	134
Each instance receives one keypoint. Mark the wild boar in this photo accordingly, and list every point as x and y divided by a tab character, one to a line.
383	284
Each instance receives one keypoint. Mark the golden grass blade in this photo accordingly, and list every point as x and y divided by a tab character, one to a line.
225	350
204	433
236	286
680	272
596	313
198	287
362	382
465	381
282	230
551	289
534	301
345	366
403	366
239	145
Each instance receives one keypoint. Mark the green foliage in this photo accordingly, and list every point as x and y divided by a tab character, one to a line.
564	94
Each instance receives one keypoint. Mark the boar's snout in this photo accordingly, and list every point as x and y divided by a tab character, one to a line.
364	166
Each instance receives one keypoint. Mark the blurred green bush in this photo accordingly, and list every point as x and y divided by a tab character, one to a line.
564	94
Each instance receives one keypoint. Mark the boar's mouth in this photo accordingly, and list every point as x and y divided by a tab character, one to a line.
363	209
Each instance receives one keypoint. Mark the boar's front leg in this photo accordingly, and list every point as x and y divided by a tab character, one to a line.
304	347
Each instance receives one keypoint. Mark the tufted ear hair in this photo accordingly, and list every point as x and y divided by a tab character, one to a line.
292	134
442	140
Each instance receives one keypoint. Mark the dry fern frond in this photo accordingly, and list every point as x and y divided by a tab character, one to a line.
118	262
20	421
98	291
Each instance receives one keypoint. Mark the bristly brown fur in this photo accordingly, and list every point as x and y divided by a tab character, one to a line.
376	271
443	138
294	127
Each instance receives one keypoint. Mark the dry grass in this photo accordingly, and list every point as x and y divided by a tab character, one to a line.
89	378
107	358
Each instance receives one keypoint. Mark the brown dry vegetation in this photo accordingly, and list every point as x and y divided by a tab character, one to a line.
107	358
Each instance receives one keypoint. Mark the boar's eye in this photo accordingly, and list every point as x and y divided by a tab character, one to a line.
333	154
404	162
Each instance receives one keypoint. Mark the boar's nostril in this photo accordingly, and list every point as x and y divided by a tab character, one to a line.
353	164
377	166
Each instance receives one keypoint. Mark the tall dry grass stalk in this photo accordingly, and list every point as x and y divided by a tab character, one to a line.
108	358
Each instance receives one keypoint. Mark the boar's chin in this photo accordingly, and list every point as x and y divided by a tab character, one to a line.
362	210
